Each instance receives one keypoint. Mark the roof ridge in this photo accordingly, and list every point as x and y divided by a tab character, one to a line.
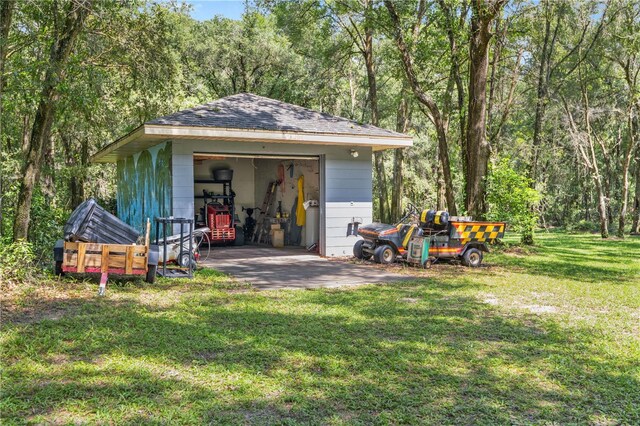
268	114
304	108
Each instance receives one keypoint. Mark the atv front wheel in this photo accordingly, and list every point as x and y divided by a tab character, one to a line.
472	258
358	251
384	254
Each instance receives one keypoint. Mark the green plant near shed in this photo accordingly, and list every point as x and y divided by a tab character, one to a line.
16	265
511	198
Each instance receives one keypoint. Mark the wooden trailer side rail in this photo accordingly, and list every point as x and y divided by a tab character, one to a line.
106	258
91	257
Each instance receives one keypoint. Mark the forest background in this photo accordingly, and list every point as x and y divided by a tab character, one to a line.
525	111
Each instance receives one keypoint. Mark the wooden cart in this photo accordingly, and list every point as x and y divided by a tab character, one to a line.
121	259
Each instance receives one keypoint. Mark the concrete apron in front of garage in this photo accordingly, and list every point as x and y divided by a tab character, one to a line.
268	268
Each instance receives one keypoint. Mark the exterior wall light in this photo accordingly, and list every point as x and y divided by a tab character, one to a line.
353	153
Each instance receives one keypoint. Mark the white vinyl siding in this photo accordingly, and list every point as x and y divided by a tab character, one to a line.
348	189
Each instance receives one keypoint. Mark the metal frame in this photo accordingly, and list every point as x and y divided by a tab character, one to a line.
180	271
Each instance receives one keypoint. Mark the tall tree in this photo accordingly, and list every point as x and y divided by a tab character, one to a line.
502	83
478	149
6	14
625	55
62	45
455	24
635	226
403	121
584	142
357	19
433	112
544	74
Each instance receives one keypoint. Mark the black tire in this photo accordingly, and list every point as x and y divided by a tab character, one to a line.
57	269
359	253
151	274
472	258
427	264
384	254
239	241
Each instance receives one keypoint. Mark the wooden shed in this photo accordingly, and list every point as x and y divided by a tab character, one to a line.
165	164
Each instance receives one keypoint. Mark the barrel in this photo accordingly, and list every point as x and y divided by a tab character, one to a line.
432	218
441	218
312	226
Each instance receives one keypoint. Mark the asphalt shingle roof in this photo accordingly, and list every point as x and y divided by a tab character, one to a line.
253	112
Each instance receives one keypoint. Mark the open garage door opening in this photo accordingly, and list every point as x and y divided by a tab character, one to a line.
257	201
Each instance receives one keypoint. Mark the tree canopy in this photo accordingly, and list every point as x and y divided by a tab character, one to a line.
543	92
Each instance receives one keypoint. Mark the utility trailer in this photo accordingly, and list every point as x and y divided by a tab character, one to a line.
100	258
432	232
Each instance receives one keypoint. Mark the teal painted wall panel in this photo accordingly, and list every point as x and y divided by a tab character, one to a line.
145	186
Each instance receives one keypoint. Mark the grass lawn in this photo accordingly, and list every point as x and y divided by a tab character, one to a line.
546	336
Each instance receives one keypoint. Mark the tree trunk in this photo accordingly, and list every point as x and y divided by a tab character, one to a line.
6	14
602	209
542	92
367	51
78	195
585	149
477	145
595	171
635	226
634	135
78	175
632	121
493	75
441	188
626	163
435	116
455	74
397	192
60	50
443	155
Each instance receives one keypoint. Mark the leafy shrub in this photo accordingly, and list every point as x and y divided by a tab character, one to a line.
17	264
47	221
583	226
511	198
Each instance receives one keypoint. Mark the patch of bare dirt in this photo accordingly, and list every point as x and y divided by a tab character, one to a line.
517	251
440	268
43	311
43	299
207	356
540	309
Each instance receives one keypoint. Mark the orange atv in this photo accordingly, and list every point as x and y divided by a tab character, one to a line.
447	237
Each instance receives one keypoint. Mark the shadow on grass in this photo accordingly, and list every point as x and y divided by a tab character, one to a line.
582	258
410	354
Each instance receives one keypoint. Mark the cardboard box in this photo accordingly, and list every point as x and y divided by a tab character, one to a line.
275	226
277	238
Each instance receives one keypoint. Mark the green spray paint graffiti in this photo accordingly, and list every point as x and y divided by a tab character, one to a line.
144	186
